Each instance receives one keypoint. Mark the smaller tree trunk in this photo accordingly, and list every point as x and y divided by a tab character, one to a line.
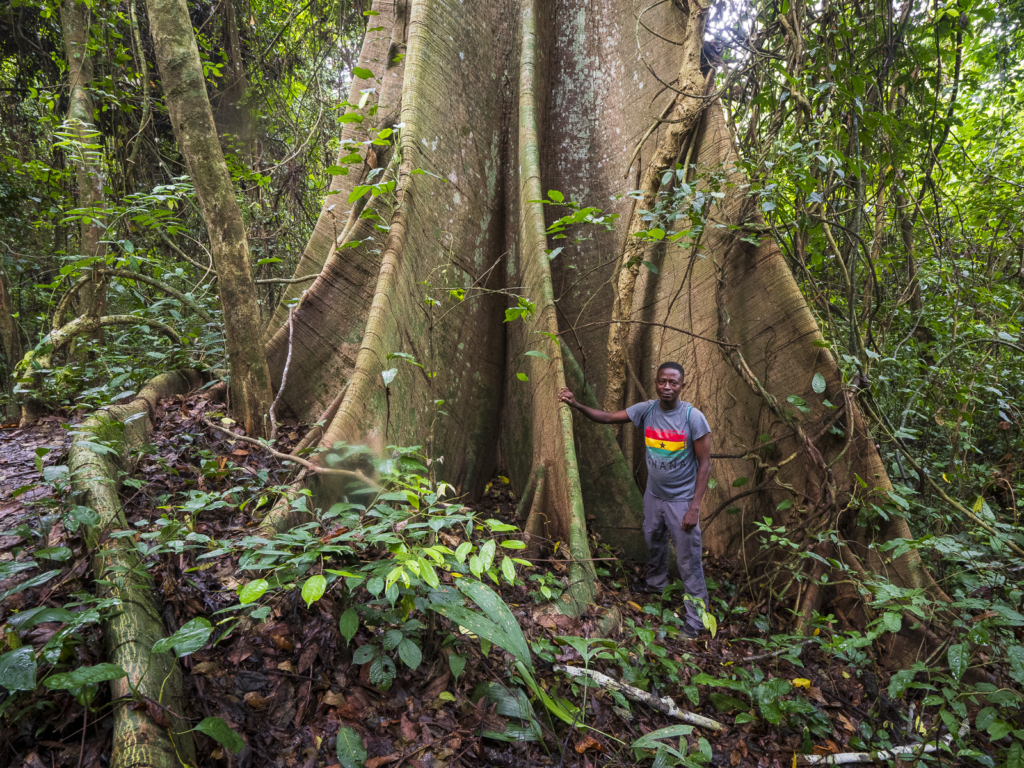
88	161
184	87
11	343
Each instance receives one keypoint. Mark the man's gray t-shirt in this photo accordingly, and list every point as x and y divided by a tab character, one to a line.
668	437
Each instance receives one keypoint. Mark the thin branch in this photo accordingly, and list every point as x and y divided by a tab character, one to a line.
284	374
305	279
346	473
658	325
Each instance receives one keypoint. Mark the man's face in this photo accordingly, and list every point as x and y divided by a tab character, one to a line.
669	384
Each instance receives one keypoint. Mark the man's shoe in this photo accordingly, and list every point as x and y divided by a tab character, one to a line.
690	634
640	586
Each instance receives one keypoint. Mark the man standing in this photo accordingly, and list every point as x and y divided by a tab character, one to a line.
678	441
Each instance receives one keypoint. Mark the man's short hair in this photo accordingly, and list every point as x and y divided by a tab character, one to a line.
674	367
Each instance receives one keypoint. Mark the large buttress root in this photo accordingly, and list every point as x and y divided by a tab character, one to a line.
390	23
130	633
538	430
770	348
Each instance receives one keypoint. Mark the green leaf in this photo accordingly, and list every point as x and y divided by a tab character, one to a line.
18	669
457	664
392	638
537	353
39	615
313	589
487	554
818	383
651	740
499	614
84	676
253	591
409	653
191	637
959	657
1015	756
350	750
898	683
10	568
362	72
364	653
389	376
724	702
35	581
522	377
348	624
555	195
508	568
799	403
220	732
54	553
892	622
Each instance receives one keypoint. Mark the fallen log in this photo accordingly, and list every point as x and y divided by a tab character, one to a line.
138	738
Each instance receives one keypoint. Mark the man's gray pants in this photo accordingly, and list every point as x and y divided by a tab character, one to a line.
661	520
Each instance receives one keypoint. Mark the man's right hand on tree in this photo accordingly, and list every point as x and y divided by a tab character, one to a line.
567	397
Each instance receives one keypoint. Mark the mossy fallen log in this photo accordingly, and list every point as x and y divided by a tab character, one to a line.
155	735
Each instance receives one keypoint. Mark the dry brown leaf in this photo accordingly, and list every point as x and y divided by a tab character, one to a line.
588	742
436	686
256	701
845	721
376	762
332	699
206	668
815	693
408	729
829	748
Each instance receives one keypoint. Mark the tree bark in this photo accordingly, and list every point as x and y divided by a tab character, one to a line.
184	89
688	107
75	22
129	634
10	343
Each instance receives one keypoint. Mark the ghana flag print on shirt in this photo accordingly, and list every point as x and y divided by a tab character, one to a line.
668	436
666	444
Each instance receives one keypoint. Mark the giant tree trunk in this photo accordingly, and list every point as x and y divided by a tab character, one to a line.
184	87
501	102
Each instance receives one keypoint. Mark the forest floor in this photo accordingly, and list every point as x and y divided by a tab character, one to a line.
288	683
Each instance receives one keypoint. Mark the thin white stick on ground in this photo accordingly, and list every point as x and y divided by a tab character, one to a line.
664	704
878	756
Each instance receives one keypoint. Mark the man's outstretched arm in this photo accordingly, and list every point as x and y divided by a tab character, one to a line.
601	417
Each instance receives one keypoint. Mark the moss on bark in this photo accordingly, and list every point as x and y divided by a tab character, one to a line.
138	740
184	86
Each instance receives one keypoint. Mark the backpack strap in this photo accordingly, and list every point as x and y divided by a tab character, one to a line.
686	421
